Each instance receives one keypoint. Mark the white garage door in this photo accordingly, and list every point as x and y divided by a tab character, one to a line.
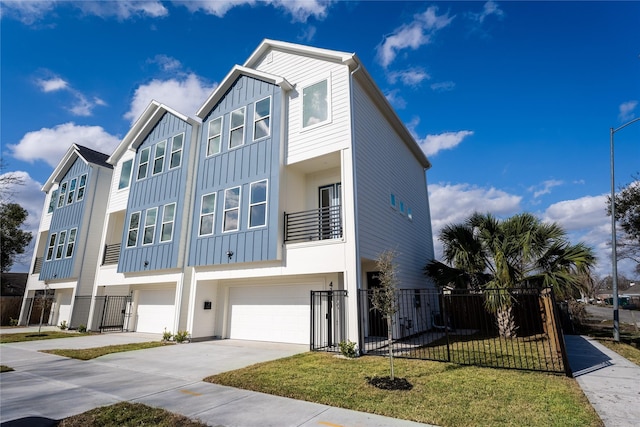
270	313
156	310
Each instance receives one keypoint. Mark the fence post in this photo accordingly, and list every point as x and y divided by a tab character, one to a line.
445	320
559	335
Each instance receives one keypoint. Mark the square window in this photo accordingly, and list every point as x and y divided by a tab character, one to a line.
315	104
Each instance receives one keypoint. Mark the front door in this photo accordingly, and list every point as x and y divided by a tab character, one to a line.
330	201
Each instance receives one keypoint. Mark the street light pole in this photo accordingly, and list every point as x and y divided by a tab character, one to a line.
614	252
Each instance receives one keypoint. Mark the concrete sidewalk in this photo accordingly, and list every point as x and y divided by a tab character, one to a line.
610	382
44	388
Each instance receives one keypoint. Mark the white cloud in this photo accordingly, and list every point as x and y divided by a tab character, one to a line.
26	11
432	144
185	96
412	35
410	77
81	105
544	188
585	212
300	10
166	63
627	110
53	84
443	86
50	144
123	9
395	99
489	8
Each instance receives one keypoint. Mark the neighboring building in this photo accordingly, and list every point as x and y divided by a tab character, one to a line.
67	243
295	175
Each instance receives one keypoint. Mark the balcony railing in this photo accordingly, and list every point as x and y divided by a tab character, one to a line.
37	266
316	224
111	254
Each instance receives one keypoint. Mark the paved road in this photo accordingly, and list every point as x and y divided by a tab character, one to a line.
606	313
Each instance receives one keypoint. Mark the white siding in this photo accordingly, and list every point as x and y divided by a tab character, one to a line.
301	71
119	198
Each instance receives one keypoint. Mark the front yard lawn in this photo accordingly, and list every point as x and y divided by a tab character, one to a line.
443	394
92	353
34	336
125	414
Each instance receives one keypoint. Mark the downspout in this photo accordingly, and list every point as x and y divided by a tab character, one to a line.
355	207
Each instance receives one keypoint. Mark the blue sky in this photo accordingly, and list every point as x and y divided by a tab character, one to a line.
511	101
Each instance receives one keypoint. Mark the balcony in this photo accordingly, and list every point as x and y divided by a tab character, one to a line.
37	266
111	254
317	224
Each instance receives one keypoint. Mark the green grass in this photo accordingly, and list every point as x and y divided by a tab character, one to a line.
625	350
92	353
127	414
4	368
444	394
35	336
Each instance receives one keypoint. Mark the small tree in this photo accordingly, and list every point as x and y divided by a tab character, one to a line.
384	299
13	240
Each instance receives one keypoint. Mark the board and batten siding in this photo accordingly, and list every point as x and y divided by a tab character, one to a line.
156	191
302	71
385	166
65	218
253	161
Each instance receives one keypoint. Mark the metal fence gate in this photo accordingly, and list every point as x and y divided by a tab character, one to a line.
328	320
112	313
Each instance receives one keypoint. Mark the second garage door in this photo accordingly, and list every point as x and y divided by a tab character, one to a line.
270	313
156	310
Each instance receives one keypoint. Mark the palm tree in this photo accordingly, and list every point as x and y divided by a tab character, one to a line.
498	256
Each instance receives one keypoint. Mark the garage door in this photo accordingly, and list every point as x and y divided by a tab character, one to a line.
156	310
270	313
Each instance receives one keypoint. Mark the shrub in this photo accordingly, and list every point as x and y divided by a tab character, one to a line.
166	335
82	329
181	336
63	325
348	349
13	322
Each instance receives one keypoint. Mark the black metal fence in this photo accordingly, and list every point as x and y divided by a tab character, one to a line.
328	320
317	224
459	326
112	313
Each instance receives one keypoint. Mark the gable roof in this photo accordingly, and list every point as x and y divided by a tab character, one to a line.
75	151
231	78
143	125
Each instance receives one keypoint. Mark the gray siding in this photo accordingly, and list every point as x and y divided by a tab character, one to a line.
251	162
155	191
66	218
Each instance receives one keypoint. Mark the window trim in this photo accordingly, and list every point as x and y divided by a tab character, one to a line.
72	191
243	126
82	187
172	222
156	158
130	161
60	246
146	164
212	214
71	242
209	137
226	210
174	152
51	247
267	117
155	223
265	203
329	115
136	229
62	194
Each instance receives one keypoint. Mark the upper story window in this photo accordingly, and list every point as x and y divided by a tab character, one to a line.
134	226
71	243
231	209
52	244
53	201
315	104
176	151
62	194
144	163
236	129
168	217
149	226
258	204
262	118
207	214
81	187
158	160
60	247
214	136
409	214
125	174
72	190
392	201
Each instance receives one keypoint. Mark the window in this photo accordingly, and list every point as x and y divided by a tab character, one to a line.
60	247
315	104
207	214
134	225
53	201
149	226
231	209
176	151
402	207
258	204
215	132
125	175
144	163
81	187
63	192
262	118
158	160
168	216
236	131
409	214
72	190
52	244
392	200
71	243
